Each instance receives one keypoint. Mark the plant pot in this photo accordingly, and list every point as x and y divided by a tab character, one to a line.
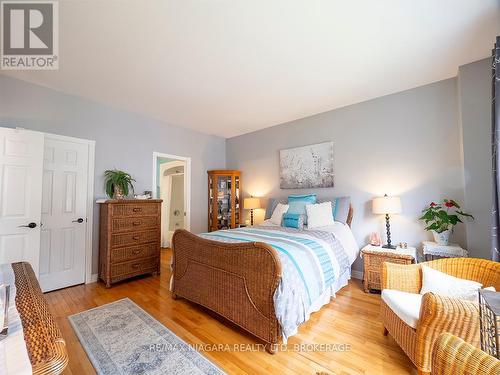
118	193
442	238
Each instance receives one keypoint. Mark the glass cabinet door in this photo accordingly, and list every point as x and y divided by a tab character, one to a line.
224	209
224	201
210	203
236	201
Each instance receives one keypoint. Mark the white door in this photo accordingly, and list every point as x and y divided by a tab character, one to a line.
21	158
64	213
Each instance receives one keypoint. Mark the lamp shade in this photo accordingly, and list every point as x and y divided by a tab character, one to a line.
386	205
251	203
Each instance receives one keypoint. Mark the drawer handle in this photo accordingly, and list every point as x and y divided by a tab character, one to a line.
135	238
137	209
136	265
136	251
136	223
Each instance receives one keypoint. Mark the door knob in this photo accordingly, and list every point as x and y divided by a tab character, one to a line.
79	220
30	225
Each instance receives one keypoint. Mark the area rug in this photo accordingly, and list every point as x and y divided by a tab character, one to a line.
121	338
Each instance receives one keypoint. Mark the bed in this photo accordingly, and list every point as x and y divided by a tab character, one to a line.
266	279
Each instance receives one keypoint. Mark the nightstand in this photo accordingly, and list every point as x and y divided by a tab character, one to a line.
374	256
433	251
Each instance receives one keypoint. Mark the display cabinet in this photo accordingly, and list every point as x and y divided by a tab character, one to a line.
224	203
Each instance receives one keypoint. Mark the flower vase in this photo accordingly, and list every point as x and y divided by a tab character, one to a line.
442	238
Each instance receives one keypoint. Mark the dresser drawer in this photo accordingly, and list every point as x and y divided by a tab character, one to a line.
123	254
135	267
134	223
133	238
135	209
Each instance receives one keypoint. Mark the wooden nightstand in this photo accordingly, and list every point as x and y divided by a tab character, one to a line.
374	256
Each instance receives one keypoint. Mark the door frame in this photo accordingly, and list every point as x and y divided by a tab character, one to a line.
89	277
187	183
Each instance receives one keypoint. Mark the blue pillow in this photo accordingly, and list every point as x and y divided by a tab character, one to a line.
293	221
297	204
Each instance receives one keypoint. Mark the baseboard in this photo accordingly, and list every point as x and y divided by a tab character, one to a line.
92	279
357	274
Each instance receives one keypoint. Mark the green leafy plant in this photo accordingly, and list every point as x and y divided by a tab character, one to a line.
443	216
118	181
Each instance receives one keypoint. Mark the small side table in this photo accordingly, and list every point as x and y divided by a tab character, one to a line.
432	250
374	256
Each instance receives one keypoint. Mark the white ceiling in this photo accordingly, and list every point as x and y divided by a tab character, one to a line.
228	67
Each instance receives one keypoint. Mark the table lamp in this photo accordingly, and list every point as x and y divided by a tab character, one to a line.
387	206
251	204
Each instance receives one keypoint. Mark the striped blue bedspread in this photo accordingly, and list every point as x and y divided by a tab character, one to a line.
312	261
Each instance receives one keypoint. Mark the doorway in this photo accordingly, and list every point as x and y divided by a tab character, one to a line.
171	183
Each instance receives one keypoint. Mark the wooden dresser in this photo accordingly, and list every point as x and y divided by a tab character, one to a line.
129	239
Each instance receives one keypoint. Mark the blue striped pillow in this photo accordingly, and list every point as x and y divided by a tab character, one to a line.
293	221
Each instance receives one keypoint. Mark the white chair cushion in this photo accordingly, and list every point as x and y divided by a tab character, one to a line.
278	213
449	286
405	305
319	215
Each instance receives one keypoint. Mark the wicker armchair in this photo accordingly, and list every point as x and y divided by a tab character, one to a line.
453	356
438	314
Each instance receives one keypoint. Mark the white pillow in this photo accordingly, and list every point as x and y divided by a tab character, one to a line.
319	215
447	285
278	213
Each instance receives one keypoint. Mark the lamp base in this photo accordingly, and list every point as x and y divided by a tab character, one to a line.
389	247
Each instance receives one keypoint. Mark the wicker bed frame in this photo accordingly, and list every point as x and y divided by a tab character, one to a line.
235	280
44	342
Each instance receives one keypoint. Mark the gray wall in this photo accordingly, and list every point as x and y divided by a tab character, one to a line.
123	140
406	144
474	83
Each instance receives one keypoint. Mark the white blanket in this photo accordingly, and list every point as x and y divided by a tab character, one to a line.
13	353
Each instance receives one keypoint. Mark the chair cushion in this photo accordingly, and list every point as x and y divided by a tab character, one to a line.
405	305
449	286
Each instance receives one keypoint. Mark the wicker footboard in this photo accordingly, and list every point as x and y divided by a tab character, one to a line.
235	280
44	342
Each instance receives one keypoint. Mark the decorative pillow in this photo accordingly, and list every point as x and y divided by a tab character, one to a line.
446	285
271	205
319	215
278	213
298	204
293	221
340	207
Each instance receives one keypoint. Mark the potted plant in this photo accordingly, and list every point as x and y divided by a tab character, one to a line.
441	218
118	183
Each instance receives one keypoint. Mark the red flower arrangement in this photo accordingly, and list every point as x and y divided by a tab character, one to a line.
443	216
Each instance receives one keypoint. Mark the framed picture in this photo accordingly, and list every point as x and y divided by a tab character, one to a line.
307	167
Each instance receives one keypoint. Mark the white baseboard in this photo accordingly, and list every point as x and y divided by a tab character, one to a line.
92	279
357	274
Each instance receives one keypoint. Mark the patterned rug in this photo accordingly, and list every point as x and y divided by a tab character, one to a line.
121	338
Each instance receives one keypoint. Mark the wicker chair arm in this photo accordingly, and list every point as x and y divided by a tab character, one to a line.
453	356
440	314
403	277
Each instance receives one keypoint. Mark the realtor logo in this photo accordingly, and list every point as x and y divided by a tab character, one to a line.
29	35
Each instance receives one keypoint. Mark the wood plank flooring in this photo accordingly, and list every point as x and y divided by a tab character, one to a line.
351	319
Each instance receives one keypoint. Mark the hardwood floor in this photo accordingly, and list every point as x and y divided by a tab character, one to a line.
352	319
